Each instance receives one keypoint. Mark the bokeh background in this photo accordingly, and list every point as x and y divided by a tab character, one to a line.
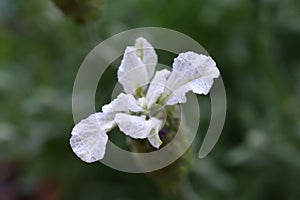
255	43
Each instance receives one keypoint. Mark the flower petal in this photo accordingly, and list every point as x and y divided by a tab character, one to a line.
137	127
123	103
178	95
132	73
154	139
157	86
146	53
191	71
89	138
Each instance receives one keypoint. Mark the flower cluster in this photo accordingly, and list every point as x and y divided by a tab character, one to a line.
138	111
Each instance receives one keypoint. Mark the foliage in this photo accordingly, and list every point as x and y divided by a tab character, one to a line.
256	46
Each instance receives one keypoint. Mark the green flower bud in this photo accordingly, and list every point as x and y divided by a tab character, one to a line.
81	11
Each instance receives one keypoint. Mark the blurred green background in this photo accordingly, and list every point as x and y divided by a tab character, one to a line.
255	43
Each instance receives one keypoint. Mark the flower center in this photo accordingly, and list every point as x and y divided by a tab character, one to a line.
159	112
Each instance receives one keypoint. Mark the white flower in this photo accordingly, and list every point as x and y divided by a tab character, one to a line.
131	112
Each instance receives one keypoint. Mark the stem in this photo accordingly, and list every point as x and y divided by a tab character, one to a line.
91	34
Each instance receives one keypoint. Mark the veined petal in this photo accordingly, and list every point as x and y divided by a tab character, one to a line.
105	120
178	95
132	73
154	139
157	86
123	103
89	138
137	127
191	71
146	53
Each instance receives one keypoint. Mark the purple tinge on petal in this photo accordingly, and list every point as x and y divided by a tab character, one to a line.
163	133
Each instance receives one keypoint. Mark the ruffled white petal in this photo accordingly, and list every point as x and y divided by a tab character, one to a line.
157	86
89	138
146	53
123	103
191	71
154	139
105	120
137	127
132	73
178	95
